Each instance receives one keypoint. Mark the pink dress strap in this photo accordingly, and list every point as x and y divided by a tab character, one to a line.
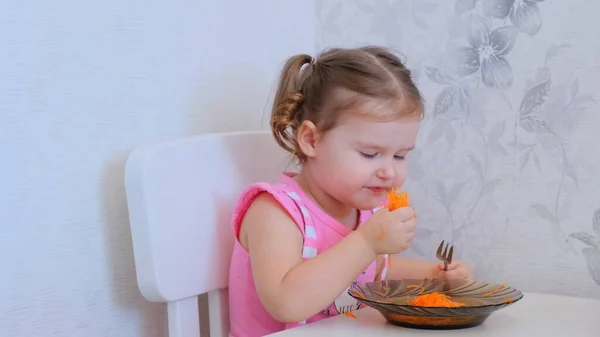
309	247
284	199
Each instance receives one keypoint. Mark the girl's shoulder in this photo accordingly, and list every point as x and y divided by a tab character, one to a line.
282	192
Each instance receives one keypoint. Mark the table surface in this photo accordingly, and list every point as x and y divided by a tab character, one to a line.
534	315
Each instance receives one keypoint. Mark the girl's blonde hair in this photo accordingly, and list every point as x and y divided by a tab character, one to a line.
307	85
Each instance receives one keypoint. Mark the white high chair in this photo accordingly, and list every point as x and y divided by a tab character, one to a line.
180	196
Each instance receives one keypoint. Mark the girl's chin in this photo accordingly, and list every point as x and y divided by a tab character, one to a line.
370	204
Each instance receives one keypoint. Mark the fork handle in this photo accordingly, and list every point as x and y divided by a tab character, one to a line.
386	265
445	266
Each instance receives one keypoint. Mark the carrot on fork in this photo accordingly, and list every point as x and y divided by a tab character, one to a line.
395	200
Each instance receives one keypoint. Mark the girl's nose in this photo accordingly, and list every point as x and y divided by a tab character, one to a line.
387	172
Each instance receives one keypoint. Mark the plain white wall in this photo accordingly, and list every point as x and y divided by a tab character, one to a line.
82	83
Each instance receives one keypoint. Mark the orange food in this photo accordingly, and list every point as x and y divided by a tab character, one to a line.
435	299
422	290
397	199
358	294
495	290
350	314
378	293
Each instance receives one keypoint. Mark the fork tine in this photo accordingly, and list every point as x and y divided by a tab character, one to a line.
445	253
449	258
439	250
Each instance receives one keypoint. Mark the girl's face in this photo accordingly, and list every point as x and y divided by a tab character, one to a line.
357	161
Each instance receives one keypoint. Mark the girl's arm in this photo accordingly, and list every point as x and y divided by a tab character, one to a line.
407	268
292	290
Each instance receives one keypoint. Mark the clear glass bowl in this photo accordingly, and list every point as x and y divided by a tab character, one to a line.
392	299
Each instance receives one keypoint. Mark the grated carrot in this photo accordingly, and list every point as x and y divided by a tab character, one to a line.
350	314
417	287
397	199
358	294
378	293
435	299
495	290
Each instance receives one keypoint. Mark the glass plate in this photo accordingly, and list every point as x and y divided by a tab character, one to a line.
392	299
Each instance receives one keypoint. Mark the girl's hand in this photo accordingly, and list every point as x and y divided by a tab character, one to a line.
389	232
456	270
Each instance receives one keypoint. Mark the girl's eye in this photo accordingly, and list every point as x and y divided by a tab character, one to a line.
373	155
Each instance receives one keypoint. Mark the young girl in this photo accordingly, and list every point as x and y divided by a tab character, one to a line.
350	117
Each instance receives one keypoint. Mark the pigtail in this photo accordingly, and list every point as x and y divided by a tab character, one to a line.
287	106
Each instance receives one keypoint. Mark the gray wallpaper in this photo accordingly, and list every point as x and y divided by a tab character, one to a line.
508	160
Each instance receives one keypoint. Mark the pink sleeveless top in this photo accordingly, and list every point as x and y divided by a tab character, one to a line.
248	318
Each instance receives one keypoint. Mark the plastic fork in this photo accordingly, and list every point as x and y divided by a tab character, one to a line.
444	255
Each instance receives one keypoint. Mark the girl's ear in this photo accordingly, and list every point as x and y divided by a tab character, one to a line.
308	136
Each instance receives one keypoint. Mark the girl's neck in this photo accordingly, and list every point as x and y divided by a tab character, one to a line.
345	214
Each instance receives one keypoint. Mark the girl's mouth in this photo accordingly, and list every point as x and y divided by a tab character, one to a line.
377	189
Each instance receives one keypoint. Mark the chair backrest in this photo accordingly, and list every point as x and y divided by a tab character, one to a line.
180	196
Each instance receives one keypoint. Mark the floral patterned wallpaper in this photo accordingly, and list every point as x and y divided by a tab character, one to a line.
508	160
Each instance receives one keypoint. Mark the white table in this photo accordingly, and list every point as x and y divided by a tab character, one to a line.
535	315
